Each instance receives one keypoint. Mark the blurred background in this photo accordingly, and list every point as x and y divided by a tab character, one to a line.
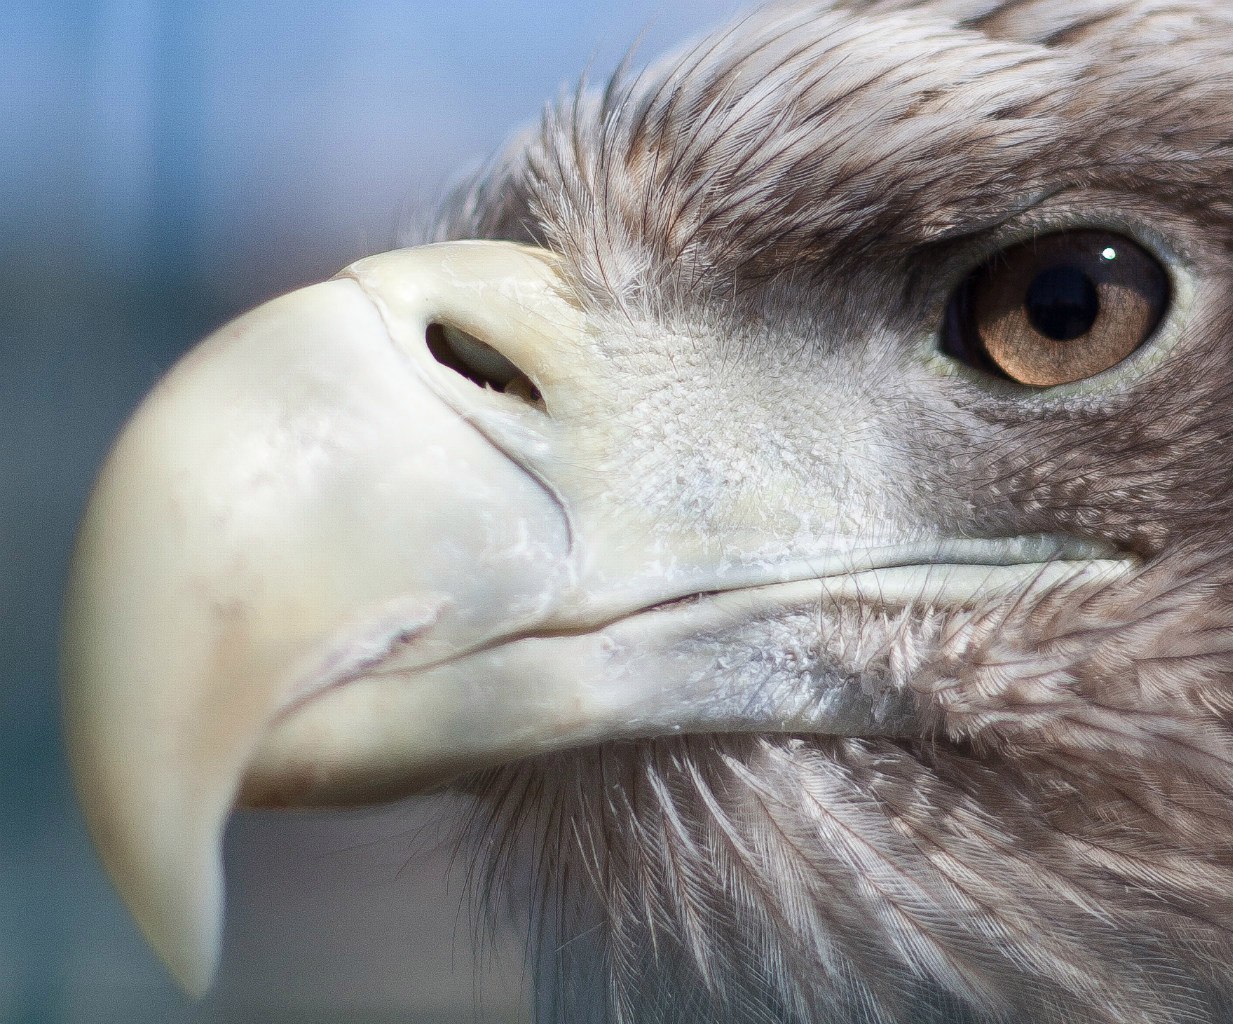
165	164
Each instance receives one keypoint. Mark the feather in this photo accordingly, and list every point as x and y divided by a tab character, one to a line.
1057	843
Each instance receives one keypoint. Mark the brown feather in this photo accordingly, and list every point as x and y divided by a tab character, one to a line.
800	191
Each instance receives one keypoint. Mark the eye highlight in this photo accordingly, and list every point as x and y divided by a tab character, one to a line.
1057	309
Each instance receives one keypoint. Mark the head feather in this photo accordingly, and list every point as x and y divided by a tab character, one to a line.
1057	844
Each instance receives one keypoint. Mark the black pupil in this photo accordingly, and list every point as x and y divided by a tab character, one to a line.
1062	303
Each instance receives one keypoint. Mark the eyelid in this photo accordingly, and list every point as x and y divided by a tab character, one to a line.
949	261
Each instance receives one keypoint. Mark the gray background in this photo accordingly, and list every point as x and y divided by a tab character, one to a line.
164	165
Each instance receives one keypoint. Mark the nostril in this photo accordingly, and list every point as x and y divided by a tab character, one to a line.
479	363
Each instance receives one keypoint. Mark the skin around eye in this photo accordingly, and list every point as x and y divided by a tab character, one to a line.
1058	308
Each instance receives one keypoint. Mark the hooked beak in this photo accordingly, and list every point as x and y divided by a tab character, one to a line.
322	565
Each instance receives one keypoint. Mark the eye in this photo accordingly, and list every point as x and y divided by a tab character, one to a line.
1059	308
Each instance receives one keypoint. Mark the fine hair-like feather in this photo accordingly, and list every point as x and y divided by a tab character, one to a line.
1057	842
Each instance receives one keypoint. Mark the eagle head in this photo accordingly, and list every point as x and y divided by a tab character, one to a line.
789	494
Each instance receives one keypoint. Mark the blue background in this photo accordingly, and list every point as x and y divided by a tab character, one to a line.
164	165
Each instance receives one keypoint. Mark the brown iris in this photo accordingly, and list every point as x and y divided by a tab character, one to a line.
1058	308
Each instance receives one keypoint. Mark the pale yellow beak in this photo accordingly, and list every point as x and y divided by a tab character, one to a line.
297	501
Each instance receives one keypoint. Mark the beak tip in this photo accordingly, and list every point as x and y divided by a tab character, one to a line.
195	977
188	938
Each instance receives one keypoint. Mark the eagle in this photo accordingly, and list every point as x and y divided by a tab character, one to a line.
788	492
